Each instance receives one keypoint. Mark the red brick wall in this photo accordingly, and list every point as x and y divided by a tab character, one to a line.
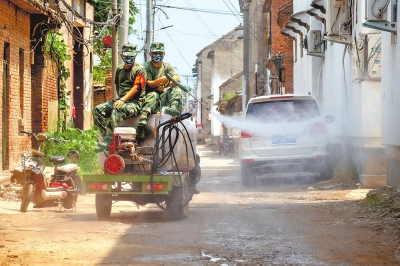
17	34
99	97
281	43
109	83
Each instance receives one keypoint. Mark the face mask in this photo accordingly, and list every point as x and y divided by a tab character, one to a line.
129	60
157	58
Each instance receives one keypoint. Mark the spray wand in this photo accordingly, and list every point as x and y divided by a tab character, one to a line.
169	77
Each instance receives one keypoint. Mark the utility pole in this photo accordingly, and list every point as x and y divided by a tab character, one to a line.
114	48
187	94
246	93
149	29
123	31
199	106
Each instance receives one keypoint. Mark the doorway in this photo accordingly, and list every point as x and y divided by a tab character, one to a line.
78	88
5	109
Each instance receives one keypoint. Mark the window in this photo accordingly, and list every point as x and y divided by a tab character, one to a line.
282	111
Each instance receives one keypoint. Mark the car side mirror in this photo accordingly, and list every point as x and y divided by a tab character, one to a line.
329	119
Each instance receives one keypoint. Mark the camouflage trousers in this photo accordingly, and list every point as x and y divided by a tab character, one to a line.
171	96
106	118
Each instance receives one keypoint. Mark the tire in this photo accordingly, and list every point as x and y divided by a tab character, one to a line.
103	206
78	183
70	201
326	173
178	203
226	152
248	177
26	197
195	173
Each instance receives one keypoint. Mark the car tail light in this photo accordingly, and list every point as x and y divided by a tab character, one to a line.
246	135
156	187
248	160
316	128
98	186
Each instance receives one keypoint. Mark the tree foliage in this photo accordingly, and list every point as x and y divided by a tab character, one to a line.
83	141
102	9
56	50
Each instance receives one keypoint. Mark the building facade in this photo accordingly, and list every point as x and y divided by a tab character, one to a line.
337	60
30	80
216	63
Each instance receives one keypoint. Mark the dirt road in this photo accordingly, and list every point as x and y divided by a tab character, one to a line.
278	222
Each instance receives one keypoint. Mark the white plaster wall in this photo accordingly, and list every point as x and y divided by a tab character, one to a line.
333	92
307	81
355	105
390	90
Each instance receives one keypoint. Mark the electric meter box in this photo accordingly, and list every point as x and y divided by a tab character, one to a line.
376	10
315	47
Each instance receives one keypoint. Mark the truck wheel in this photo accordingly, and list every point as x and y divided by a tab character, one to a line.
26	197
103	206
248	177
178	203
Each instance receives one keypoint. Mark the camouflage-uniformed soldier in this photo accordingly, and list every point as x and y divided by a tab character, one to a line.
160	92
130	80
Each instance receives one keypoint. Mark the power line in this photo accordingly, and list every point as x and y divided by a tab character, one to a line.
215	36
210	11
232	10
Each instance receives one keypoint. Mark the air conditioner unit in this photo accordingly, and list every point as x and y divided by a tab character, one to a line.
378	14
376	10
315	44
337	18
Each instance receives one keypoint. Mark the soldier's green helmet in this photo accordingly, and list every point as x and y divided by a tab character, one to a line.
157	47
129	49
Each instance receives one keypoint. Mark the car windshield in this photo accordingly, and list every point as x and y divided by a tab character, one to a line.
282	111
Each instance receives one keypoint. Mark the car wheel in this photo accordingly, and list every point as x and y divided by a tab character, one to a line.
326	173
248	177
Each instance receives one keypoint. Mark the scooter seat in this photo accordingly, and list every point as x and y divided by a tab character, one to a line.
57	159
68	167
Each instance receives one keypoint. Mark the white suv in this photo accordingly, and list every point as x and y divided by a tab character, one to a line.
283	133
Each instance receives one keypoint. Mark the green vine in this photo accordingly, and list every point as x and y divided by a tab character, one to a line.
83	141
56	50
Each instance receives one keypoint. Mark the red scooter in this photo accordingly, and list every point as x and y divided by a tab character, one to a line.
61	189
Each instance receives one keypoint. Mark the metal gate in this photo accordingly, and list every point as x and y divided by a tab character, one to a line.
4	148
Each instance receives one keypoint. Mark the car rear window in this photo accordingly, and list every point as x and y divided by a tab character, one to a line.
282	111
